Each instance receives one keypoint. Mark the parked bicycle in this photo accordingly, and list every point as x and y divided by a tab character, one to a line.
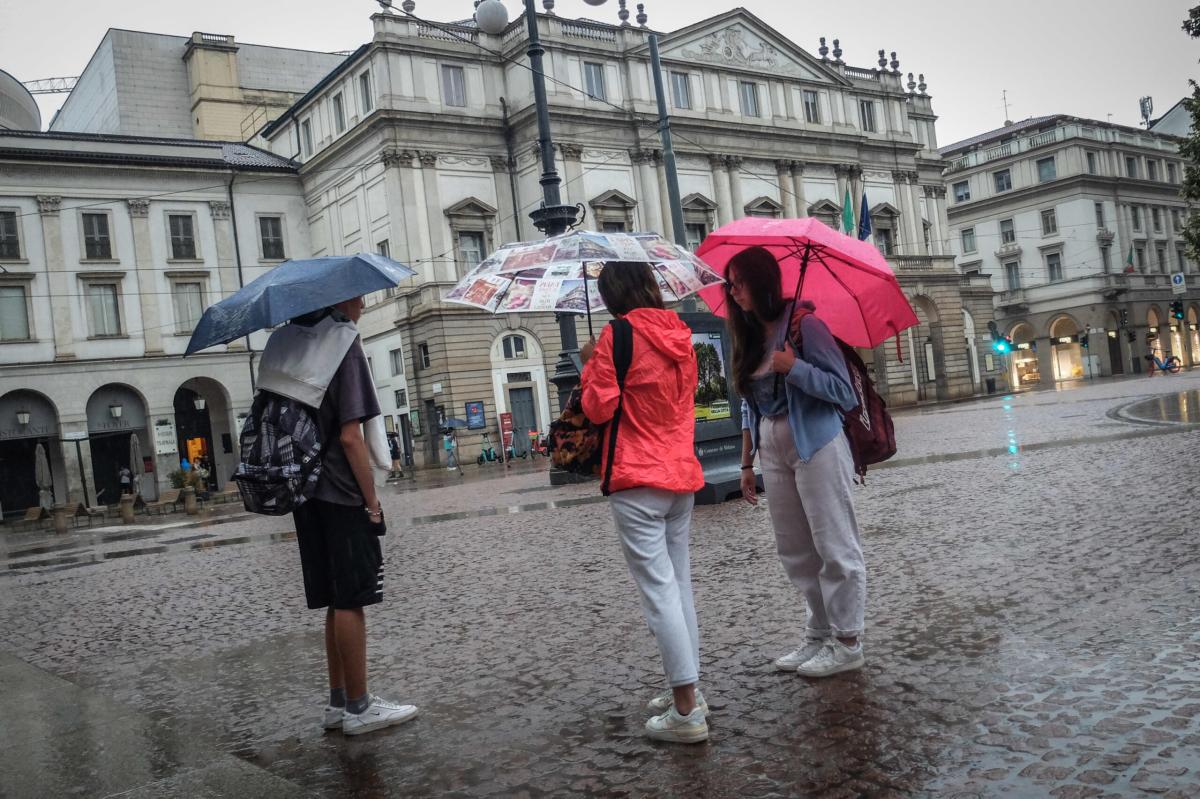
1171	364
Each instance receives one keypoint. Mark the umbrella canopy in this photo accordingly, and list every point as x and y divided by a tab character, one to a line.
452	424
293	289
136	465
557	274
855	291
43	478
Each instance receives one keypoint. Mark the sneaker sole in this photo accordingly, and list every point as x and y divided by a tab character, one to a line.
379	725
334	725
678	737
842	667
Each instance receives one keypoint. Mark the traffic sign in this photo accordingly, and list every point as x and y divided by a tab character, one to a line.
1178	283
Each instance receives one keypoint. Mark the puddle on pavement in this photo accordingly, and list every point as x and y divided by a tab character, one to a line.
506	511
186	544
1182	408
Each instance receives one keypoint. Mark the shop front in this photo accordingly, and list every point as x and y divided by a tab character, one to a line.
1068	357
115	413
29	423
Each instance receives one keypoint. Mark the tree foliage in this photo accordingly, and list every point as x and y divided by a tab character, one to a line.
1190	150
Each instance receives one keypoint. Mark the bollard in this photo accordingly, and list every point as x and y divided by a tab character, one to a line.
127	508
60	519
189	500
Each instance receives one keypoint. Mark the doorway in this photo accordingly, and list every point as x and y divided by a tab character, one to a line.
194	431
19	489
524	417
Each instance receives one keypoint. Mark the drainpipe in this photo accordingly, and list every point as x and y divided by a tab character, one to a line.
512	169
237	254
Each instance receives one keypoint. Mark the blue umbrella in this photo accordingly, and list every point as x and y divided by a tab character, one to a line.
293	289
451	424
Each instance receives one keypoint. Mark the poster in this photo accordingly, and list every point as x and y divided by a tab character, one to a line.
712	387
475	417
164	437
506	430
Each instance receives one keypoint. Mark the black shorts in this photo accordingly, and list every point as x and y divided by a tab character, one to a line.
342	559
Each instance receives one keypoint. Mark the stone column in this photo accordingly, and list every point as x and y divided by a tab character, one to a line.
905	238
441	251
721	187
649	201
918	220
77	461
399	184
842	171
508	225
738	203
61	290
573	187
937	236
144	276
1045	357
227	271
664	194
783	175
798	189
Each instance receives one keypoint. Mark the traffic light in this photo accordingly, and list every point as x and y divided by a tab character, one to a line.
1131	337
1177	310
1000	343
1124	317
1083	340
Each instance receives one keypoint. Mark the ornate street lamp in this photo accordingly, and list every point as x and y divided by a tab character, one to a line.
23	418
115	410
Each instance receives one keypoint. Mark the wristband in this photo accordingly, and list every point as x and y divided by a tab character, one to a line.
750	467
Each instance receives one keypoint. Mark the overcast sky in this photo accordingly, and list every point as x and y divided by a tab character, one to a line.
1089	58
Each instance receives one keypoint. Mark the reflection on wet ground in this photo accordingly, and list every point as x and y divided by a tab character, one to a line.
17	562
511	509
1182	408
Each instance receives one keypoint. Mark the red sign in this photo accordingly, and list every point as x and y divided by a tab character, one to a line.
506	430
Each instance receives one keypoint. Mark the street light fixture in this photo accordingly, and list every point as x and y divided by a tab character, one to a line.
23	418
115	410
199	402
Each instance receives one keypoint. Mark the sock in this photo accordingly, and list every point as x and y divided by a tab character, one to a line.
357	706
337	697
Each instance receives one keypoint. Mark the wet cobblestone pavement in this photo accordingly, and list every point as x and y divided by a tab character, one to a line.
1033	630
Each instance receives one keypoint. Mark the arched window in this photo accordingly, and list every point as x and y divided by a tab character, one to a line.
514	347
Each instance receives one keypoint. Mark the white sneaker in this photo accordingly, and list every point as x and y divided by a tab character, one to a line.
666	700
670	726
333	717
834	658
379	714
792	660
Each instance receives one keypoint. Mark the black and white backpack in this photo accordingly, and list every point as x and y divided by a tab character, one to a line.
281	452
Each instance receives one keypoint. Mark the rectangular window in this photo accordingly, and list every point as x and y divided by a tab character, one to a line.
10	244
1046	169
1179	260
1176	220
1008	233
97	245
103	311
1099	215
1156	219
397	358
183	236
884	241
1151	170
454	86
1054	266
401	398
613	227
695	234
470	248
306	137
812	107
866	111
14	314
968	239
1003	180
593	80
423	355
681	90
1140	252
1135	213
339	113
1161	255
1172	172
364	93
1012	275
1049	222
1091	163
270	231
748	92
1131	167
962	191
189	305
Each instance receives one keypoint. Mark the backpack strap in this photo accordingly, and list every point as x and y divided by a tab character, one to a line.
622	358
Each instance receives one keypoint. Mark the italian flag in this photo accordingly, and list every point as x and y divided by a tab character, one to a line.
848	226
1129	261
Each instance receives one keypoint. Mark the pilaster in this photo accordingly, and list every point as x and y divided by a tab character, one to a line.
783	176
227	268
649	202
721	186
508	225
736	200
61	289
798	188
144	276
441	255
573	187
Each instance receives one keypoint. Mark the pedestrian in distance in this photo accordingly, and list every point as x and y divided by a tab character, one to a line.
792	418
125	477
338	527
654	476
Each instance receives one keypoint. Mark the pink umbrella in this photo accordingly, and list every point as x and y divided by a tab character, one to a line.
855	291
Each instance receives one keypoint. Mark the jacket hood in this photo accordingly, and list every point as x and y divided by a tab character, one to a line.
664	331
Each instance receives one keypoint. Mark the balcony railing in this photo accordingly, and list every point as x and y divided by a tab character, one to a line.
1061	133
858	73
996	153
581	30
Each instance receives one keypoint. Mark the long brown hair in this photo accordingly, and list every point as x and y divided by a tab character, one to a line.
757	270
627	285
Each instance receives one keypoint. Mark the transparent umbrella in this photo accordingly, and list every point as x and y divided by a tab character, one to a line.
43	477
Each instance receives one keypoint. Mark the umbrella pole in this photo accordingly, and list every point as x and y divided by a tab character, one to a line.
803	272
587	301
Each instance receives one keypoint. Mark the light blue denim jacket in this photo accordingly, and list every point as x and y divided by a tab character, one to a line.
818	388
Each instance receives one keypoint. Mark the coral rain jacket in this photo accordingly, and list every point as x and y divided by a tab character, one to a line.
655	442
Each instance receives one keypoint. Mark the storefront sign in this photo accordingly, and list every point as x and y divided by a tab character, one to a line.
506	430
164	437
475	417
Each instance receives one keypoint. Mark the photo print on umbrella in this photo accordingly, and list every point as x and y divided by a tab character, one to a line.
519	296
525	258
659	249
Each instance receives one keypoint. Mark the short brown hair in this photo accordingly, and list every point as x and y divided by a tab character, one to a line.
628	285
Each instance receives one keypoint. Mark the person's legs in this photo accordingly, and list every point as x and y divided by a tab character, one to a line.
333	659
350	640
678	532
640	516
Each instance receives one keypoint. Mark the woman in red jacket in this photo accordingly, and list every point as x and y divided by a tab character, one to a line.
655	475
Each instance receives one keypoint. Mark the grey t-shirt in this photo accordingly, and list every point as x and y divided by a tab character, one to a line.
350	397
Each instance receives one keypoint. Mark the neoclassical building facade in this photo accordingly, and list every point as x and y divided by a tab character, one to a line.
422	144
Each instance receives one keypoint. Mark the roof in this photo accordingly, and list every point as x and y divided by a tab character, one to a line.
110	148
999	133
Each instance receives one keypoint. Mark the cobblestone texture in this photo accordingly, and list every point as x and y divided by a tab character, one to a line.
1032	630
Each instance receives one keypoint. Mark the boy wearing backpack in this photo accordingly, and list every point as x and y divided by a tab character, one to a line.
318	360
792	417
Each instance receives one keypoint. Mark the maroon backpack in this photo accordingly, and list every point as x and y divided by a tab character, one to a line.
868	426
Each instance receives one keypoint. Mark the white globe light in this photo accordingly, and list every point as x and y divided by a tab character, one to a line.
595	2
492	17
